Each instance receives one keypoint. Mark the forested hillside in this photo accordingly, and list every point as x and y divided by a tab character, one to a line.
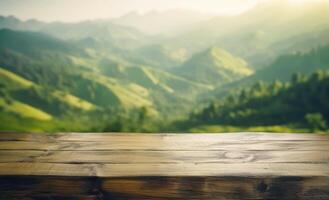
301	103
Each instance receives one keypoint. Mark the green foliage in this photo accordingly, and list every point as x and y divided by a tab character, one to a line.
234	129
316	121
272	104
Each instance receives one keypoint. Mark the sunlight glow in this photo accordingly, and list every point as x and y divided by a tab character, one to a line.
297	1
301	2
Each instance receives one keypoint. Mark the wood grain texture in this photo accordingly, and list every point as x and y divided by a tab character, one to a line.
179	145
153	157
164	166
161	188
165	170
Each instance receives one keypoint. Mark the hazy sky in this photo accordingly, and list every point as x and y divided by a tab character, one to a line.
76	10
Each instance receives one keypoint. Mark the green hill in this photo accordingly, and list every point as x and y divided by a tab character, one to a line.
214	66
32	42
100	30
155	85
286	65
282	69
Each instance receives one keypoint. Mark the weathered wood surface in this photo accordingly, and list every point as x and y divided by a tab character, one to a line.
164	166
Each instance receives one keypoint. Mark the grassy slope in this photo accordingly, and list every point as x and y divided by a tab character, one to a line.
14	81
73	101
24	110
9	76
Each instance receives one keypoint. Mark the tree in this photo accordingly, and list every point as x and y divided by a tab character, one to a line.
316	121
142	115
275	87
258	89
296	78
243	96
317	76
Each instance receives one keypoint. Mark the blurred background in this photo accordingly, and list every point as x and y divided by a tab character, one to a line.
164	66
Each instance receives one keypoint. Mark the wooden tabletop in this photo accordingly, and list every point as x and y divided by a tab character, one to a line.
164	166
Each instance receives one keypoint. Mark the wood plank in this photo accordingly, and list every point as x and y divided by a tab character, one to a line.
119	157
166	170
161	188
180	145
102	137
217	188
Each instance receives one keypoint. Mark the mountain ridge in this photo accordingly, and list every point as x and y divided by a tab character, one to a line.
214	66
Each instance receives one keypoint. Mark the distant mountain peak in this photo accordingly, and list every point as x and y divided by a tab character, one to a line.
162	21
9	19
131	14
